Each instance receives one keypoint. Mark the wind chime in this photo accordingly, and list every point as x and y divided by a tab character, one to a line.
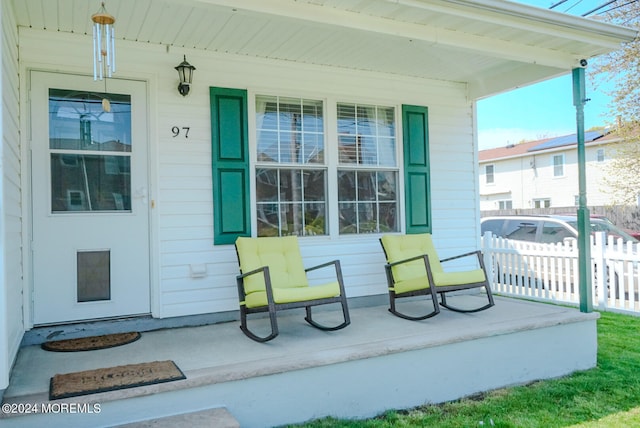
104	49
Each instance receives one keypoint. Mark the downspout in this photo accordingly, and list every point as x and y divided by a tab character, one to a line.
584	235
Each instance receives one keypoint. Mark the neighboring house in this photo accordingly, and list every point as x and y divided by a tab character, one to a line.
544	173
336	120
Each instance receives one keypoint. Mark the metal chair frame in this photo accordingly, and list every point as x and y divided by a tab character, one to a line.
273	308
432	290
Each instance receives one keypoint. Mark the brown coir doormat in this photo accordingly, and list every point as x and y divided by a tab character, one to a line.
91	343
113	378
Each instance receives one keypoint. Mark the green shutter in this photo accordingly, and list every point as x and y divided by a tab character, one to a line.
230	159
415	130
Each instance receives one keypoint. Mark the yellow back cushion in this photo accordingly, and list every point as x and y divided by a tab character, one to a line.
281	254
401	247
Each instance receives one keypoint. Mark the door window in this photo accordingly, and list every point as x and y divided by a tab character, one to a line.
90	151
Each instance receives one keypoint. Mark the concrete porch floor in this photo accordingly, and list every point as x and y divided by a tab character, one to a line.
377	363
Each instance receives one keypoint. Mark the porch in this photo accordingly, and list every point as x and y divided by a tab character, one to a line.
379	362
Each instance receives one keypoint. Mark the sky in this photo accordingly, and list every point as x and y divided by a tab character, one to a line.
527	113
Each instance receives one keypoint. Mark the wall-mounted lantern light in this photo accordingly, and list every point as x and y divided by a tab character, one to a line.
185	74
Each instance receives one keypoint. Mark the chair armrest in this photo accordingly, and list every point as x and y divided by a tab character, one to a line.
420	257
338	271
323	265
267	284
253	272
471	253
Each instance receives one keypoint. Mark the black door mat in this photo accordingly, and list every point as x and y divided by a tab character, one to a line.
91	343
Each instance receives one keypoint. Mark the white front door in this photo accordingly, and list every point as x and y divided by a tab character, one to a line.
89	198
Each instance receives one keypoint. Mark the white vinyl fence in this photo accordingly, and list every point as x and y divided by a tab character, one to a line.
549	272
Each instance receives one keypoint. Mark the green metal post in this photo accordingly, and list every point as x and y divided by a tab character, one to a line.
584	226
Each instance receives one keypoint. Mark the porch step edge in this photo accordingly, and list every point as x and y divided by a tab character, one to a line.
218	417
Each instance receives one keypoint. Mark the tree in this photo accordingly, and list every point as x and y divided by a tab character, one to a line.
622	67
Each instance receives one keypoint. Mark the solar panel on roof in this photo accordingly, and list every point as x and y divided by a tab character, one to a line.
567	140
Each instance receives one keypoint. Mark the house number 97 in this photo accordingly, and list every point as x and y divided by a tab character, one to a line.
177	131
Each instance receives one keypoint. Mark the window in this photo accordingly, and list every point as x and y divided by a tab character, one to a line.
553	233
367	169
558	165
311	177
90	152
494	226
488	174
505	205
600	155
521	230
292	170
541	203
291	176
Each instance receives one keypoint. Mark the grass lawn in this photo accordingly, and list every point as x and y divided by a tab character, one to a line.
606	396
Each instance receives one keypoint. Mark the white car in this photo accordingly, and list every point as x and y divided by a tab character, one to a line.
547	229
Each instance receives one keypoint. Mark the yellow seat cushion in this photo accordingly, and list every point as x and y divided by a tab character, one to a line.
411	284
286	269
443	279
412	276
294	294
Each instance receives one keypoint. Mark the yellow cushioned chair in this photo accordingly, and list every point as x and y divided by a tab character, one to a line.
413	269
272	277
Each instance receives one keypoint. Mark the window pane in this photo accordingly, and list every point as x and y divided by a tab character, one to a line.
386	122
315	219
291	202
367	218
290	185
346	185
348	149
268	219
489	174
289	130
386	151
366	135
387	186
312	148
267	113
348	222
290	113
372	206
268	149
346	118
558	165
90	183
290	143
313	117
388	217
366	186
266	185
368	150
314	185
77	121
291	215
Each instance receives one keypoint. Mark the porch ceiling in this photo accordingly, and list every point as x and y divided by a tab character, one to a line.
493	45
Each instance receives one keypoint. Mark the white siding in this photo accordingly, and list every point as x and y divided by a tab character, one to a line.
182	222
11	297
